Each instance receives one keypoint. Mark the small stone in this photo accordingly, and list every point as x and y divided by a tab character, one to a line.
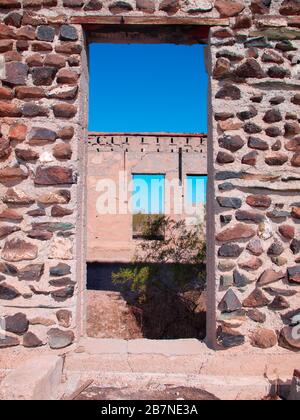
257	143
93	5
257	316
43	76
64	110
240	280
16	73
273	131
295	161
250	69
32	272
260	201
24	92
8	292
276	159
232	143
40	136
229	92
225	218
60	270
277	100
59	339
5	93
279	304
37	213
265	230
16	324
31	340
17	132
270	276
280	261
17	250
230	55
45	33
13	18
252	128
32	110
271	56
229	8
250	158
10	175
55	60
264	339
295	213
252	264
16	196
8	269
239	231
295	246
66	133
280	292
257	98
58	211
230	302
272	116
9	110
58	197
120	6
291	128
5	149
7	341
225	265
28	155
64	318
229	202
247	115
276	249
287	231
10	214
6	230
229	125
296	99
230	250
222	67
288	339
285	45
68	48
66	76
256	300
225	158
226	281
229	338
249	216
40	235
62	151
277	146
277	72
54	175
294	274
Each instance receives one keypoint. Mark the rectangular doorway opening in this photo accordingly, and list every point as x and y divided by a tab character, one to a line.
146	183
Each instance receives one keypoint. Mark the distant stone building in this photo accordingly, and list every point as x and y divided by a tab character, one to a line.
173	162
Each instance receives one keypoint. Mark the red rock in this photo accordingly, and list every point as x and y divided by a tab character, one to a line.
63	110
58	211
222	67
229	8
6	45
41	47
32	109
239	231
41	235
22	45
35	60
296	160
68	48
13	19
10	214
250	158
11	174
10	4
264	339
288	339
66	76
43	76
276	159
17	250
57	197
63	92
253	263
18	197
55	60
26	32
295	212
6	32
293	145
5	149
256	300
62	151
270	276
34	19
262	201
224	158
250	69
16	73
6	230
9	110
26	92
287	231
279	303
66	133
6	93
289	8
26	154
17	132
54	175
37	212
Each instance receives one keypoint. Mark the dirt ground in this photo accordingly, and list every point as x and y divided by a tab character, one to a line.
165	393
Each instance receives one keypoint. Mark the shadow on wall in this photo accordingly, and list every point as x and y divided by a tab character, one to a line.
114	311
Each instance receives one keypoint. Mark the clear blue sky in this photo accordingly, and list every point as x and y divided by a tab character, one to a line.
147	88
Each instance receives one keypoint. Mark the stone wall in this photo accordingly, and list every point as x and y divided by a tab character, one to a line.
253	153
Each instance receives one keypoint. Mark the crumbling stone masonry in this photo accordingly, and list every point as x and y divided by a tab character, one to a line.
254	159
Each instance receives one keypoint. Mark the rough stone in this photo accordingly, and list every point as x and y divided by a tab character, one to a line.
31	340
8	292
229	8
276	249
250	158
287	231
60	270
62	151
270	276
32	272
7	341
229	202
279	304
17	250
273	131
250	69
271	56
24	92
225	158
259	201
264	338
58	197
239	231
59	339
32	110
58	211
295	246
6	230
294	274
288	340
256	299
276	159
10	175
247	115
251	264
43	76
17	132
240	280
229	92
45	33
61	248
252	128
64	318
230	250
230	302
249	216
277	72
64	110
18	197
257	316
40	136
232	143
272	116
17	324
16	73
54	175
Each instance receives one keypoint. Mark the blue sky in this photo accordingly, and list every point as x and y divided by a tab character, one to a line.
147	88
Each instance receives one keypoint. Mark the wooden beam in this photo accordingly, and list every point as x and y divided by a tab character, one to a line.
148	20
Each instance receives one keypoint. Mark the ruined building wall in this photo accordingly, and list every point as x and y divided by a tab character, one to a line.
253	152
113	159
